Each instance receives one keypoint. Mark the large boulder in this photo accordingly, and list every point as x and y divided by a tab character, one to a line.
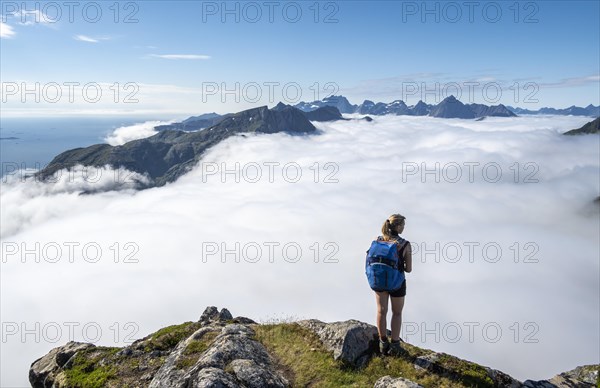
351	341
45	371
442	364
253	375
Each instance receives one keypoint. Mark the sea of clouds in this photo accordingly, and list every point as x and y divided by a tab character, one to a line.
117	265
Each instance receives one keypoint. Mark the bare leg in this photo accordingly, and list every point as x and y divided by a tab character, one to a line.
382	307
397	305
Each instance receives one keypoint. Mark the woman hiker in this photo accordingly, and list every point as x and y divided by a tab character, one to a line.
391	230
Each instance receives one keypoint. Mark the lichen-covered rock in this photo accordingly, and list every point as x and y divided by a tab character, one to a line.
231	348
45	371
170	373
351	341
242	320
501	379
224	315
232	343
253	375
538	384
466	372
398	382
588	374
585	376
210	313
426	361
213	378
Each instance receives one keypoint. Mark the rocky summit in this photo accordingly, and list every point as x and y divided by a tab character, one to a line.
219	350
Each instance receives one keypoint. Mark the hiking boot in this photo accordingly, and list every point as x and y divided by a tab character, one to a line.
396	349
384	347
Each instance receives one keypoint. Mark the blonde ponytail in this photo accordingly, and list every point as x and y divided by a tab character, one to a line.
391	225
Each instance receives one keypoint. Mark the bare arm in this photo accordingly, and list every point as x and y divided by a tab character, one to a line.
408	258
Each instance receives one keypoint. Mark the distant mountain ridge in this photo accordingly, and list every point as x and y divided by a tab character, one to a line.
590	110
331	108
442	110
450	107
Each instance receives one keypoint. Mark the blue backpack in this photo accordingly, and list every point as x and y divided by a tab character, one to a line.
383	265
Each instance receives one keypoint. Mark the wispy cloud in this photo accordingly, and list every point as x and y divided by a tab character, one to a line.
180	56
573	81
25	18
6	31
89	39
34	17
85	38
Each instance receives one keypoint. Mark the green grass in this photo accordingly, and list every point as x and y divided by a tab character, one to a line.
168	337
469	373
200	345
306	362
86	373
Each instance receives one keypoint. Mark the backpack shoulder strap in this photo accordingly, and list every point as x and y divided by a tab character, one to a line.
402	243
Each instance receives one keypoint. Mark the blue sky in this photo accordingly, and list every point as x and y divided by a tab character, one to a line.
368	50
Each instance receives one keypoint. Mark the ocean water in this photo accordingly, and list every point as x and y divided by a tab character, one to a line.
39	140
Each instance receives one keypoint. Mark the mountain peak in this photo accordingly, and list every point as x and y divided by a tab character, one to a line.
340	102
450	107
450	98
281	106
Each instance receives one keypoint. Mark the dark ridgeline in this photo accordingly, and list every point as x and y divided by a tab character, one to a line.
481	110
171	153
590	110
325	113
591	127
195	123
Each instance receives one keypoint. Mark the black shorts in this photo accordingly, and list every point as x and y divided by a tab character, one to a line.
400	292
